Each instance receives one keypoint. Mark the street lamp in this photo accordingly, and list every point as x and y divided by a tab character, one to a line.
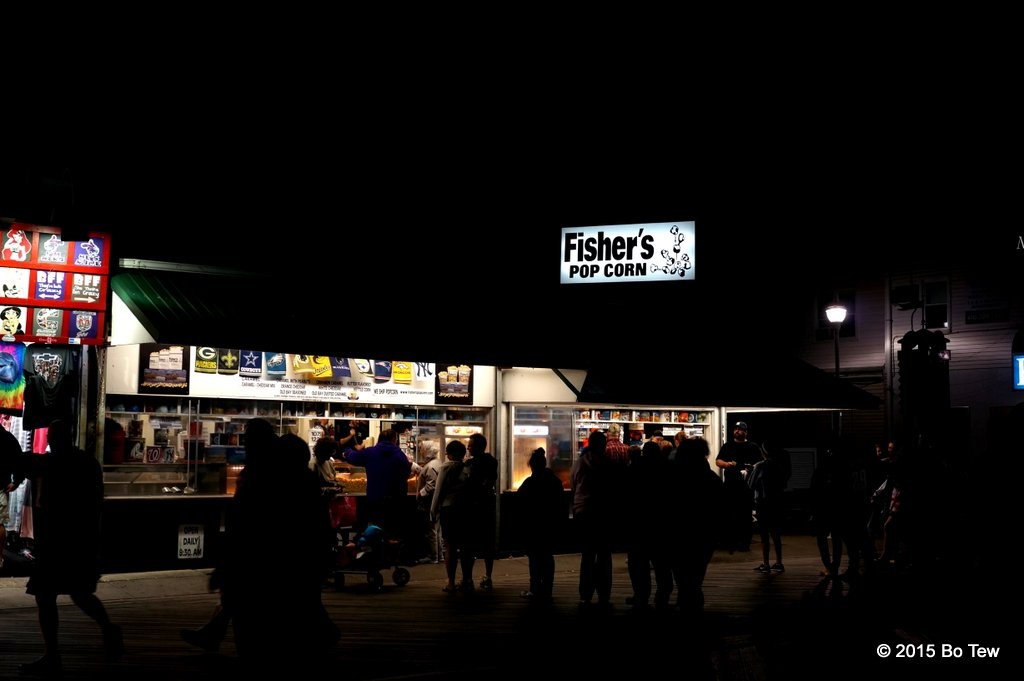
836	314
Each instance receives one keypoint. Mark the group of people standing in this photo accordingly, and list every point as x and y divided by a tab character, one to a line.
665	493
755	478
464	502
667	489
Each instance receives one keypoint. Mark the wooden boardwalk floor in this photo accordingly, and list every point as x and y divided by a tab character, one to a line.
754	627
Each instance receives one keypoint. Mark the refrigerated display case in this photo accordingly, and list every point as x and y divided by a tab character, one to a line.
547	427
461	433
525	441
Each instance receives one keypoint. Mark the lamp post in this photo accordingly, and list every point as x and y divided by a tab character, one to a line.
836	314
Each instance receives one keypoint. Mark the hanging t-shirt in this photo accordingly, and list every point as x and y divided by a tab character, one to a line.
51	384
12	378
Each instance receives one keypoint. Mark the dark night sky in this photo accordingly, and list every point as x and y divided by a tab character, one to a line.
416	221
213	206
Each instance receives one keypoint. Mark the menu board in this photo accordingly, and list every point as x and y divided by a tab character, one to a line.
52	291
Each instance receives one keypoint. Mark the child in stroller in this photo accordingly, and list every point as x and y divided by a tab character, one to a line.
369	552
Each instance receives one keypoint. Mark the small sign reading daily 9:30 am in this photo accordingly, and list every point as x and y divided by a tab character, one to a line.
660	251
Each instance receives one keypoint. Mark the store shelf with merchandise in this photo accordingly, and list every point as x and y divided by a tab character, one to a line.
679	417
638	425
211	432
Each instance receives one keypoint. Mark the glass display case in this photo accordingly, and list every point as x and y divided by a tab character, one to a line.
133	480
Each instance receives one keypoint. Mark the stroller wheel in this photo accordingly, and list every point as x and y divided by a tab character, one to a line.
401	576
375	580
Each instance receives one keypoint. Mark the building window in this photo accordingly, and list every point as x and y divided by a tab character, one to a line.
849	326
935	296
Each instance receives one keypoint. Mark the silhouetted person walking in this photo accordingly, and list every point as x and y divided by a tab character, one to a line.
68	504
279	497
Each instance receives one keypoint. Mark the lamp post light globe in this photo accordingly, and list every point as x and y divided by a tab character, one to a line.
836	313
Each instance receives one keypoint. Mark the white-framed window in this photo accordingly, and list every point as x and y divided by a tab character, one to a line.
929	301
935	301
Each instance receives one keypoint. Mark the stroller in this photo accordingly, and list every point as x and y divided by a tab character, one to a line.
367	552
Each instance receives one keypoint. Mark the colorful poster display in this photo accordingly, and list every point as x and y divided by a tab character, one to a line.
52	291
271	375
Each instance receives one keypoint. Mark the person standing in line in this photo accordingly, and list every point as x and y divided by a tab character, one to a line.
68	506
736	458
768	483
826	511
324	452
425	486
676	439
697	502
483	481
616	450
591	484
643	520
544	510
451	507
387	482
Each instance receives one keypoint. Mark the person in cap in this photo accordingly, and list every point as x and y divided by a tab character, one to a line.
736	458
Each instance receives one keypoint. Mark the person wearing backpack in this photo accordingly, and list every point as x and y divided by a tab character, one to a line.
451	506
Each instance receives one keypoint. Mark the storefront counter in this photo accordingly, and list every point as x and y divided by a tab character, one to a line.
171	532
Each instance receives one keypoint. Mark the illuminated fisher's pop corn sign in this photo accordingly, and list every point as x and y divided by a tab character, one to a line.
661	251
